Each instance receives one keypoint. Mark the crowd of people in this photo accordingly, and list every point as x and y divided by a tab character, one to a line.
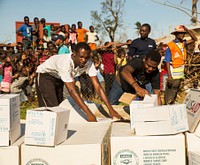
42	64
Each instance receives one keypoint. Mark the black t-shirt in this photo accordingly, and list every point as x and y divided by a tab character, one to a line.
140	76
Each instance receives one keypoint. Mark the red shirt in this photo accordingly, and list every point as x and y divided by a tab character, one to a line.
108	62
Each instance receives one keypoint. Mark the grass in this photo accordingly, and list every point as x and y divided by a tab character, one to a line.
25	106
31	105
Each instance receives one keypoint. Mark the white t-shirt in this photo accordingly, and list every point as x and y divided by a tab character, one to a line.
62	67
91	37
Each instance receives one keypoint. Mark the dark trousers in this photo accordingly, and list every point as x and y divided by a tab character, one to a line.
171	91
26	43
49	90
109	79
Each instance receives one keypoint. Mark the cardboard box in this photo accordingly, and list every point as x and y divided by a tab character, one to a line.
11	155
160	120
46	126
192	142
192	102
127	98
9	119
127	148
197	131
77	115
9	137
87	144
194	158
151	99
137	105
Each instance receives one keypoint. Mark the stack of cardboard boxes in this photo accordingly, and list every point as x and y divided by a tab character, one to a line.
159	134
156	135
51	139
192	102
10	129
86	144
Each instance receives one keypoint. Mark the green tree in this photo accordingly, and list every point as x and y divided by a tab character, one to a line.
109	19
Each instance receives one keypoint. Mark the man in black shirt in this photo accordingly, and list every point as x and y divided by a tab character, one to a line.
135	75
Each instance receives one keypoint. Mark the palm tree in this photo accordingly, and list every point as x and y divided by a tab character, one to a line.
138	26
194	11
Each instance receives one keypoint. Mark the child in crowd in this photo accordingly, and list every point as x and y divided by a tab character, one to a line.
99	67
91	38
162	66
73	37
53	31
7	76
1	70
45	38
121	59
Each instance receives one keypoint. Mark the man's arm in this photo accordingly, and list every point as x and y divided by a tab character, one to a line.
131	50
127	76
86	38
75	95
19	33
191	34
157	92
98	88
97	38
167	61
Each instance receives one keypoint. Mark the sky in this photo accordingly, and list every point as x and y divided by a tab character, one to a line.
162	19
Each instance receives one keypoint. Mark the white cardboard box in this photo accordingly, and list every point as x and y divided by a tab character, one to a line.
160	120
9	119
11	155
194	158
9	137
137	105
151	99
197	130
77	115
127	148
87	144
193	148
148	101
46	126
192	102
192	142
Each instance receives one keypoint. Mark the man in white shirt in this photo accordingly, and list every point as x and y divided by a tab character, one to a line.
59	70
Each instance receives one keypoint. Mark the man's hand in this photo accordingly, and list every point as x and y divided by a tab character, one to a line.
114	114
91	118
141	91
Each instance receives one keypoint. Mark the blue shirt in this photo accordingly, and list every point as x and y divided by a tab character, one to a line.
63	50
140	47
168	54
26	31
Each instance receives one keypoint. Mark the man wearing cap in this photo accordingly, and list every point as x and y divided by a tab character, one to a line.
175	61
59	42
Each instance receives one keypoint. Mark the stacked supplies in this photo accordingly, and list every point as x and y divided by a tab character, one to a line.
10	129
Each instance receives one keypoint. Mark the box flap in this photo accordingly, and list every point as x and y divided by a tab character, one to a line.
127	98
192	101
168	119
151	99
